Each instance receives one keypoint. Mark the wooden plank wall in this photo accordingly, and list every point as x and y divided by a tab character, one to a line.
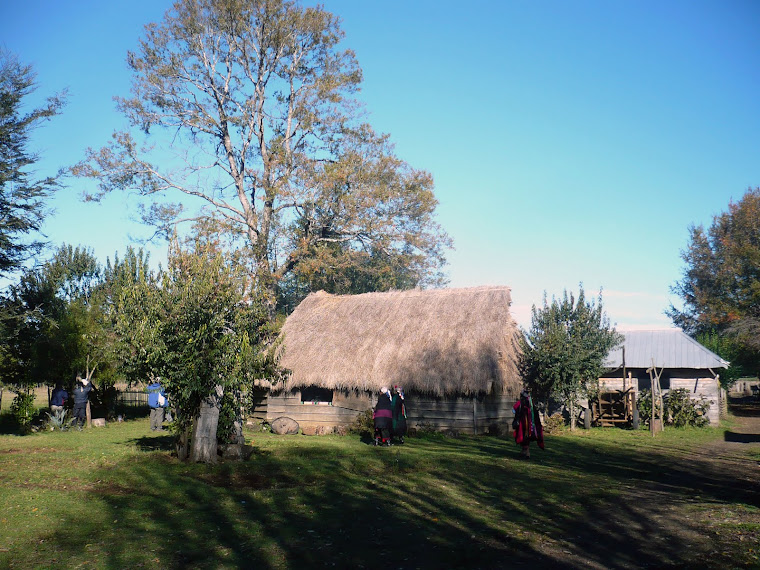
707	388
258	411
460	415
315	418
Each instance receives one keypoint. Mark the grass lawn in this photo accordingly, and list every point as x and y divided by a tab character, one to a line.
114	497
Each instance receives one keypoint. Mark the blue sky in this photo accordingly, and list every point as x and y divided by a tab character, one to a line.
570	141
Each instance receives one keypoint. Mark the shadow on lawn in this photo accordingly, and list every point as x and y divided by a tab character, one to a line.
439	503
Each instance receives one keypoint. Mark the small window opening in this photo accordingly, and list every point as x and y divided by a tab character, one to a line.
316	395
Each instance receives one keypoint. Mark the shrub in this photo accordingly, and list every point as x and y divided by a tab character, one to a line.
644	405
23	410
681	410
364	424
554	423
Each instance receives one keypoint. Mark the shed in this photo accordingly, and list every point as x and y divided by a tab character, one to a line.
453	351
681	361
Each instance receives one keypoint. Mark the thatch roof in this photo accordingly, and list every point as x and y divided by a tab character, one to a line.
442	341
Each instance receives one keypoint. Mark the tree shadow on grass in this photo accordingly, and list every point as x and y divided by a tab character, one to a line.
163	442
432	503
741	437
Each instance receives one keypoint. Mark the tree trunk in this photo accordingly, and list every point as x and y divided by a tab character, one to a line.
88	414
237	426
203	445
572	415
183	449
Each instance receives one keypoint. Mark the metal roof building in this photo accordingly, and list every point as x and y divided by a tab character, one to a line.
666	348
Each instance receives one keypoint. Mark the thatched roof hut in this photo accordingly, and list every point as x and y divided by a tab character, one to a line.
440	342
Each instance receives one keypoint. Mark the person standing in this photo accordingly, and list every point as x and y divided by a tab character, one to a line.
383	417
81	397
398	407
58	399
157	402
527	424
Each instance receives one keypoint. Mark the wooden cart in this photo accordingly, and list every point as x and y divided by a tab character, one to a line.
615	408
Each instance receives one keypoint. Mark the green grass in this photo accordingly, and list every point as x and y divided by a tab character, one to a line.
115	498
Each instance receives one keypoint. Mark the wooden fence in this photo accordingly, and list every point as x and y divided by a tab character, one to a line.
132	398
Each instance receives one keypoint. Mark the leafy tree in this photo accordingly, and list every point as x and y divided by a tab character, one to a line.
256	99
201	337
48	322
720	288
727	348
564	350
22	198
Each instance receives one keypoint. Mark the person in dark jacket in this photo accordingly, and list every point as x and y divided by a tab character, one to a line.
383	418
81	397
157	402
527	424
58	399
399	413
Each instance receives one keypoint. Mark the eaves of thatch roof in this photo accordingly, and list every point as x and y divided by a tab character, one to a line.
441	341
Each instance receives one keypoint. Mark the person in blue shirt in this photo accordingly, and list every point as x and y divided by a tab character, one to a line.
157	402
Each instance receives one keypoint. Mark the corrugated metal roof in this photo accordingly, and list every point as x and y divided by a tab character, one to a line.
667	348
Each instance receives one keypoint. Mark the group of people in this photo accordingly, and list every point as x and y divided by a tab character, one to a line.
80	394
390	420
157	401
390	416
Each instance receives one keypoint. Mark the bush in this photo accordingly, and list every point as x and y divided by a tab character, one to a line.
554	424
364	424
23	410
644	405
679	408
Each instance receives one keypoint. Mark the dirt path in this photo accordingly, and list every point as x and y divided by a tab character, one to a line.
701	509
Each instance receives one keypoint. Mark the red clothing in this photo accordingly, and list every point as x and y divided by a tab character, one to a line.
528	424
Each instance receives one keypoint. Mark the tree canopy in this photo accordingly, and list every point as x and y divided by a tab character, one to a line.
720	287
22	197
564	350
244	117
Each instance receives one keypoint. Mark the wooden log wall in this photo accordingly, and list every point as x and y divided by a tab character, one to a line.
458	415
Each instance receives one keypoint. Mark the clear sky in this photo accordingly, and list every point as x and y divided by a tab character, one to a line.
570	141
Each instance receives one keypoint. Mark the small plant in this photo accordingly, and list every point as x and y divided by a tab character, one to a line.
57	421
364	424
22	409
554	424
644	405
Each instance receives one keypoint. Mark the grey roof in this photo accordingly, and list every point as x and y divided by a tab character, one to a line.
667	348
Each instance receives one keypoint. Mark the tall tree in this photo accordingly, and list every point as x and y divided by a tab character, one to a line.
720	288
22	198
255	102
562	354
